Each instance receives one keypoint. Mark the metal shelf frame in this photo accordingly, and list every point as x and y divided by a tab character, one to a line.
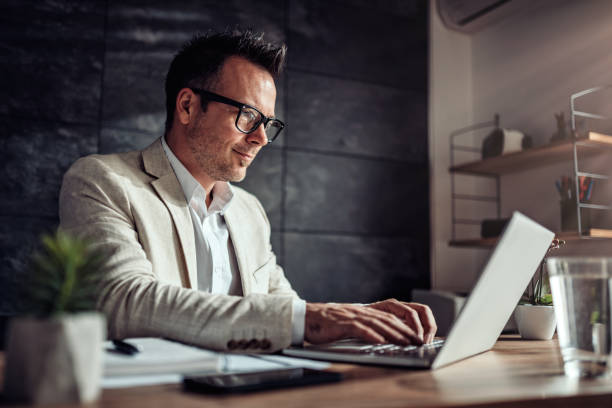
454	147
587	143
576	143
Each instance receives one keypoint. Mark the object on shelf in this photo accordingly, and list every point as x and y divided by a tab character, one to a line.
562	132
569	219
567	188
502	141
492	228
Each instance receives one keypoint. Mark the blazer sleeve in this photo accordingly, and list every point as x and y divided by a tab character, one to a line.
95	204
278	283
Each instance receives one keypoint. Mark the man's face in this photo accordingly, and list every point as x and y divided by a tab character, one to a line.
220	150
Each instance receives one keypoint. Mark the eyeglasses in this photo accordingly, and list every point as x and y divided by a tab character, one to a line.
248	118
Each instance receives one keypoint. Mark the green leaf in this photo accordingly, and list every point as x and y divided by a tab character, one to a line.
538	290
545	299
65	276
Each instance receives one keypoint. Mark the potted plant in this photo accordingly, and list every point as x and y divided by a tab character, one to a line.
54	352
535	315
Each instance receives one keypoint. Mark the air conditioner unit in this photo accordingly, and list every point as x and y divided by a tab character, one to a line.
469	16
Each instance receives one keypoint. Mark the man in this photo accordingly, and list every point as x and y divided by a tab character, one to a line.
189	255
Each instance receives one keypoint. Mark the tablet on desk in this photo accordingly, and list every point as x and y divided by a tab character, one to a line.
259	381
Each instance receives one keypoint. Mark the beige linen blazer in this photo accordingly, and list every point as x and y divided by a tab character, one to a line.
131	205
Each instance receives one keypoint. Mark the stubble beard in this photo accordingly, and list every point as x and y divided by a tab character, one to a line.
214	165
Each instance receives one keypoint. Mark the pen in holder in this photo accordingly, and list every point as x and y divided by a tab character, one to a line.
566	187
569	219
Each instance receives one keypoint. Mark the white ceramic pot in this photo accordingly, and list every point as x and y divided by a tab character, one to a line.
56	360
535	322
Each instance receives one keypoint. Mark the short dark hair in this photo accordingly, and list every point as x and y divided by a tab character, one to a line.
200	60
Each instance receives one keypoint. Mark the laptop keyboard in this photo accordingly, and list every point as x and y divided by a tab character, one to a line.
395	350
427	351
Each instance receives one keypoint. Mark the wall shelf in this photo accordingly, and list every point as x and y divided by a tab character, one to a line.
591	144
588	144
534	157
594	233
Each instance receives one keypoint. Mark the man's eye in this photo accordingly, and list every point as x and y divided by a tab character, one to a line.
249	115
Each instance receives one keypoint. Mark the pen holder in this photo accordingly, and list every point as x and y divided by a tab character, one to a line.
569	221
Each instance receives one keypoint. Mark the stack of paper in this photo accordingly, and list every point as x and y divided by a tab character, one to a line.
158	356
163	362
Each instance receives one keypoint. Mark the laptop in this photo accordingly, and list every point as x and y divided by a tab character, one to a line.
519	250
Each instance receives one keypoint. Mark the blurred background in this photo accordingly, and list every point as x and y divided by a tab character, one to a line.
346	186
357	188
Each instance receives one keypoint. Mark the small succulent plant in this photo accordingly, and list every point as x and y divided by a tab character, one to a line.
538	291
65	276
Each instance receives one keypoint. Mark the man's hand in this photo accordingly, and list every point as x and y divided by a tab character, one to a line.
389	321
415	315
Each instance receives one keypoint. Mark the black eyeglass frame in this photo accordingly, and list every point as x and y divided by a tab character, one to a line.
211	96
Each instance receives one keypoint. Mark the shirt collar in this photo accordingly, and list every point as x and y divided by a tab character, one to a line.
195	194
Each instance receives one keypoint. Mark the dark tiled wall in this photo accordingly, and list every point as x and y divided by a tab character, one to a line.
346	187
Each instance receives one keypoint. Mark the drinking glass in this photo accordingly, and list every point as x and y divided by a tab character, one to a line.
581	288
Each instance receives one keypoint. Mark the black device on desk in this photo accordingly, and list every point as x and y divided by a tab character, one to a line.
263	380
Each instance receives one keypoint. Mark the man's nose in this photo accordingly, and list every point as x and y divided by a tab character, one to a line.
258	136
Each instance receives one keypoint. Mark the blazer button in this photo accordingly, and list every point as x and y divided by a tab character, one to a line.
232	344
242	344
253	343
265	344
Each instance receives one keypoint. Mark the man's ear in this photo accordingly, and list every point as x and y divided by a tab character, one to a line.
186	103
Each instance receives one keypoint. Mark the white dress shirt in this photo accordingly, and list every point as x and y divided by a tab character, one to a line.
217	267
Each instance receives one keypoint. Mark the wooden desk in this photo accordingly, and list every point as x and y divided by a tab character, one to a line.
515	373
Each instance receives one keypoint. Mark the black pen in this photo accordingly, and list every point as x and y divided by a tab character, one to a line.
125	347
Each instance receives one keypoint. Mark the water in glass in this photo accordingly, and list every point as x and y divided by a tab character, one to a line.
582	306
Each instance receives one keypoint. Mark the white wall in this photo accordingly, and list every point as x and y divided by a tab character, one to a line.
450	106
525	67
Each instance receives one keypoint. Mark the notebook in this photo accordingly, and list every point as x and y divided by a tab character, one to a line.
159	356
519	250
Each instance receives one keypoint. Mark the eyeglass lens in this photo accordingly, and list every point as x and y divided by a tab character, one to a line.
249	119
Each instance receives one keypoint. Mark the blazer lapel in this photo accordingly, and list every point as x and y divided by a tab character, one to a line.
233	220
169	190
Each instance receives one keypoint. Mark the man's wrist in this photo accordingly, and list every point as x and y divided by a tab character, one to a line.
298	322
